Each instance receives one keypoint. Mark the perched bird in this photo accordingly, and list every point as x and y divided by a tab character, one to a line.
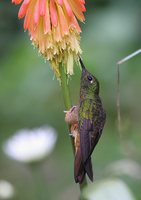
91	120
86	122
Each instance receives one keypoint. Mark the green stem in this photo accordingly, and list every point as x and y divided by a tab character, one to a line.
66	96
40	189
67	102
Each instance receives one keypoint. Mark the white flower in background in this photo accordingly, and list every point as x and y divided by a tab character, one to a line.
110	189
29	145
6	190
125	167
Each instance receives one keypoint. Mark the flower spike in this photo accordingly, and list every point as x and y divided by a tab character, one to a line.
54	29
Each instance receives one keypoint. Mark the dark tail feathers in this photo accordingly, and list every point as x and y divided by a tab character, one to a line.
81	169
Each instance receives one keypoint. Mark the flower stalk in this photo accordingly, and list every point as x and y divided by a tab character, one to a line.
67	103
66	95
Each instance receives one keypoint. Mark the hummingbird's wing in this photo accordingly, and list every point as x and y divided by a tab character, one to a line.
85	147
91	123
86	127
80	169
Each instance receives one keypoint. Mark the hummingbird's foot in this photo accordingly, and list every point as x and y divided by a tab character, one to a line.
70	110
65	111
71	116
71	135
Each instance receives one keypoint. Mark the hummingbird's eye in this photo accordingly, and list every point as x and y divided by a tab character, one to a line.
90	78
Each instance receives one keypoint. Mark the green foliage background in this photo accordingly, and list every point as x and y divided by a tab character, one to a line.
29	97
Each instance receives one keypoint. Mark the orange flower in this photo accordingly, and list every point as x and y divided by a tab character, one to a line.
54	29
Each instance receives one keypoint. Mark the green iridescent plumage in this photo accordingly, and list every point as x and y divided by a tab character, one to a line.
86	110
91	117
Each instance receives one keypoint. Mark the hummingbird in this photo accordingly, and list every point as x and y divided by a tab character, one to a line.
91	120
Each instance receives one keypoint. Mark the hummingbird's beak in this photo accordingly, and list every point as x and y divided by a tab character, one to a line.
82	65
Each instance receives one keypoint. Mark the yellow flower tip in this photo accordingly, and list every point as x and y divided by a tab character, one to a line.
54	29
70	64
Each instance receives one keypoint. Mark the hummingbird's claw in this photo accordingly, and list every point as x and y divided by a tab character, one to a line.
71	135
65	111
70	110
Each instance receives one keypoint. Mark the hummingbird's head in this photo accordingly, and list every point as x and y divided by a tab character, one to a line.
89	83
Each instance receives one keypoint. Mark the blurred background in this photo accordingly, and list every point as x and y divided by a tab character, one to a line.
30	97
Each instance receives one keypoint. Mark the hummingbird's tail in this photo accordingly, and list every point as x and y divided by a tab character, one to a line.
81	169
89	169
